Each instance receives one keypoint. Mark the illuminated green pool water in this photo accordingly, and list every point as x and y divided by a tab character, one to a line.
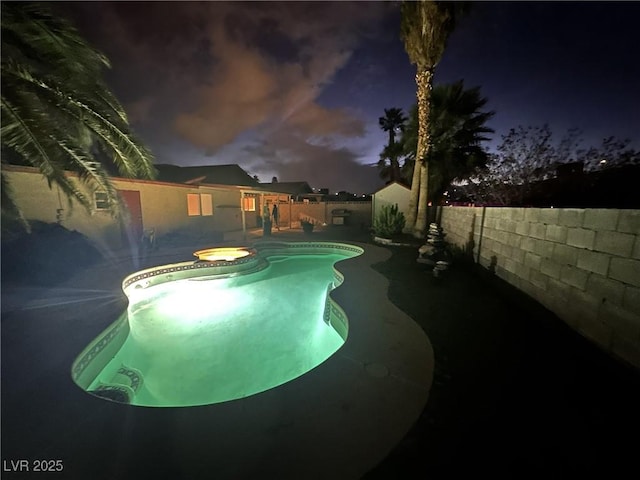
208	340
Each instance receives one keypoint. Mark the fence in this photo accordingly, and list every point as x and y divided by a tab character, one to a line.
321	213
582	264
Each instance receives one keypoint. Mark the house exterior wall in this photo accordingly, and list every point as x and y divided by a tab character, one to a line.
582	264
390	195
164	208
38	202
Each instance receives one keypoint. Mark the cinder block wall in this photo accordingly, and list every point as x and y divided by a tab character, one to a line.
582	264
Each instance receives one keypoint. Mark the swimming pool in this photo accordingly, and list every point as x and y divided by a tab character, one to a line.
198	333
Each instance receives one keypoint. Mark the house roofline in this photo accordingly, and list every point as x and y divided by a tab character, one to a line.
216	186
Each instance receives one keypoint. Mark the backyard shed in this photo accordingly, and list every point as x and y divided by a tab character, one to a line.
391	194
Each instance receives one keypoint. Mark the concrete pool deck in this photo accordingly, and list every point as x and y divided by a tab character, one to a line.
337	421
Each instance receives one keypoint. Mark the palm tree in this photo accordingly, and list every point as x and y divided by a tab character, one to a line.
57	113
457	129
389	164
392	122
425	27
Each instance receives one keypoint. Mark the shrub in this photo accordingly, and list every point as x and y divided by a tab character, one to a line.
389	221
49	255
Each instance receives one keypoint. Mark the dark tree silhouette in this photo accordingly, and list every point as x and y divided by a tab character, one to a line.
57	113
393	122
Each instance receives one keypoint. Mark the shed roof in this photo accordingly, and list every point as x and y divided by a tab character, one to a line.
392	184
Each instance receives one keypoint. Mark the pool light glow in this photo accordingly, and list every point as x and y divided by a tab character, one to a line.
236	322
226	254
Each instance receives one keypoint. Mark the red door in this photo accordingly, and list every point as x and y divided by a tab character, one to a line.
132	217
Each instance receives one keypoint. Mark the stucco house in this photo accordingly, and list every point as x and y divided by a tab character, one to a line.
391	194
208	202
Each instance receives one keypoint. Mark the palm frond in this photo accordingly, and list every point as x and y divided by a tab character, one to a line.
56	108
17	133
458	129
425	27
32	29
130	156
92	172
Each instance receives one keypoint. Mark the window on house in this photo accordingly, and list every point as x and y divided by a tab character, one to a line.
206	204
101	200
193	204
249	204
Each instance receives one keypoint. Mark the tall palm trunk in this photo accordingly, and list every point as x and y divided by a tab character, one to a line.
413	197
424	28
424	82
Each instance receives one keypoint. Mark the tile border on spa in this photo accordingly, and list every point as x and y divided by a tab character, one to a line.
117	330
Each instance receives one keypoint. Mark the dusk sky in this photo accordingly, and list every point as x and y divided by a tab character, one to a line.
295	89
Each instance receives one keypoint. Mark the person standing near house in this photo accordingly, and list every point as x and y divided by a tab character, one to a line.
274	214
266	220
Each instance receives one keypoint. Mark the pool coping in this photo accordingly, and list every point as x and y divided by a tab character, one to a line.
337	421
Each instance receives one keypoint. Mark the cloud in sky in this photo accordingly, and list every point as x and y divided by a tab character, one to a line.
252	87
203	80
293	158
216	75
